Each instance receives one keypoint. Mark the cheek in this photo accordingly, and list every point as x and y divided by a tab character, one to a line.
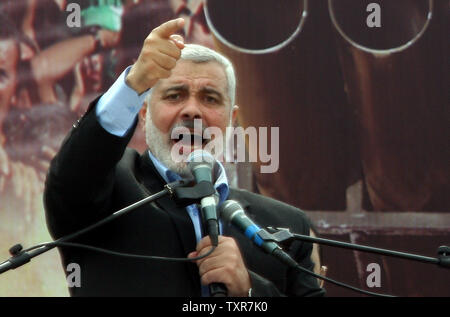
217	118
163	117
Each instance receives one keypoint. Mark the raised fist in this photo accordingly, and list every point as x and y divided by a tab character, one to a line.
159	54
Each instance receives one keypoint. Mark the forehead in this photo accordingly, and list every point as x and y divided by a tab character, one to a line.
196	75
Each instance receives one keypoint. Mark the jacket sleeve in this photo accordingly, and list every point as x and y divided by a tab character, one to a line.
80	179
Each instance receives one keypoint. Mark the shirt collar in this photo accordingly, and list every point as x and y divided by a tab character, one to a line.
221	183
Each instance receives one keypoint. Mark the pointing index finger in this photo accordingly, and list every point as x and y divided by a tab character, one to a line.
170	27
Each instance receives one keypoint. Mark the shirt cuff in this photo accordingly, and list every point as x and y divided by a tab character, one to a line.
117	109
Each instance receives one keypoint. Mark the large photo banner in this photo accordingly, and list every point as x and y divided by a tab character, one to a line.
352	96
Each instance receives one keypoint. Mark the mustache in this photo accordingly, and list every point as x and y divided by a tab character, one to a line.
196	126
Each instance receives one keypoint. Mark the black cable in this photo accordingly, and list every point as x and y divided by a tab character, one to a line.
168	189
21	257
340	283
285	235
286	259
115	253
148	257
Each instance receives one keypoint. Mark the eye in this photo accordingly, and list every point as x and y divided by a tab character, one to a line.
211	99
173	97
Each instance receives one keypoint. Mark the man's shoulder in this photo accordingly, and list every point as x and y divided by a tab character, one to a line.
129	157
131	163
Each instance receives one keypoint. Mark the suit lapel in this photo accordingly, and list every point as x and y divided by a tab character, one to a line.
180	217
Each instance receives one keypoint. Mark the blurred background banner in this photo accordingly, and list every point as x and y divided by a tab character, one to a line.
362	111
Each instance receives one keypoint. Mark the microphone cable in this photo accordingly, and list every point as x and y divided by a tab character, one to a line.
168	189
115	253
150	257
353	288
21	256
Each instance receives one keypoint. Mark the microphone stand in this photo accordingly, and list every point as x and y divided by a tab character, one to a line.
284	236
183	196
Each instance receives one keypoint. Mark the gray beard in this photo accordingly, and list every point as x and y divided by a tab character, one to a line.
160	146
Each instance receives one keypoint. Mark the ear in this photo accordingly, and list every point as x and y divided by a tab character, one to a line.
143	112
234	114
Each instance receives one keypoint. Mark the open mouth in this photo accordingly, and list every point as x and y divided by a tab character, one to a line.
187	142
190	139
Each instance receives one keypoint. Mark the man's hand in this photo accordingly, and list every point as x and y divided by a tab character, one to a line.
161	50
225	265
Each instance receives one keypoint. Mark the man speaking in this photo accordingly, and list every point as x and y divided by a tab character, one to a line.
93	175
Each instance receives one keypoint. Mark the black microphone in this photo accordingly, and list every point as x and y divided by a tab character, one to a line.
232	213
201	164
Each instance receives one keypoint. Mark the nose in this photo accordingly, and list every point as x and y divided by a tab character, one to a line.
191	110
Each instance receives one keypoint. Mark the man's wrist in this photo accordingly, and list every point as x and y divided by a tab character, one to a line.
132	83
117	109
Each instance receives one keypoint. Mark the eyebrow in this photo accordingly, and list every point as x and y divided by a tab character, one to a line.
176	88
183	87
210	90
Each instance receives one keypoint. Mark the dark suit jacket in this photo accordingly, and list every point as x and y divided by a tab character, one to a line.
94	175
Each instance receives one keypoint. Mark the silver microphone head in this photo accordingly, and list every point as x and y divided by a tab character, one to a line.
198	157
201	164
229	209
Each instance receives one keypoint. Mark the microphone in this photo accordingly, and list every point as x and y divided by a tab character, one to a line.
201	165
232	213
